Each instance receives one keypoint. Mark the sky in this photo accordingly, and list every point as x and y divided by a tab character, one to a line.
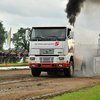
26	13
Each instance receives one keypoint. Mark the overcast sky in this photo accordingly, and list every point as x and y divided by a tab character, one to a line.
26	13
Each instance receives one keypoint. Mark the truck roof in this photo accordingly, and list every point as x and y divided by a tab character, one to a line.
68	26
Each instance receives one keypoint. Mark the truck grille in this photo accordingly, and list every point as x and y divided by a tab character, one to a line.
46	51
46	59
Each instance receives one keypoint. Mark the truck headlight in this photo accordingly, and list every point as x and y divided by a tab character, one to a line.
32	58
61	58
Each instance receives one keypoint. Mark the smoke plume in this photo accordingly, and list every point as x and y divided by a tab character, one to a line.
73	8
93	1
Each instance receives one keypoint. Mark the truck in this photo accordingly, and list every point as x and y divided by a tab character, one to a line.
49	49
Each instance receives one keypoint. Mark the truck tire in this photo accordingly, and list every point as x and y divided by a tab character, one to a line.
70	71
35	71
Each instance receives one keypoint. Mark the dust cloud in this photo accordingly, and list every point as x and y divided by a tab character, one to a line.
86	41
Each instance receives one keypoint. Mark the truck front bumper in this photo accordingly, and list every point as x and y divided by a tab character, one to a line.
49	65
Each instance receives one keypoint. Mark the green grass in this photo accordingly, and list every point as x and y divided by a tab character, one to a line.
14	64
88	94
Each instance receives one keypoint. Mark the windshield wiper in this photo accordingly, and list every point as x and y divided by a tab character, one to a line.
39	37
54	36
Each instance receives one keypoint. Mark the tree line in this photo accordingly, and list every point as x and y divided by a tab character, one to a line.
18	38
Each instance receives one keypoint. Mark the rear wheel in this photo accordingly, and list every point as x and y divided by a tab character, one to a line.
70	71
35	71
83	68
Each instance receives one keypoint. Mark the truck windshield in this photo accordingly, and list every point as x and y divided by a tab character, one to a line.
48	34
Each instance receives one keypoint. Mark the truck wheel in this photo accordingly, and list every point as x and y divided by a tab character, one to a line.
83	68
70	71
35	71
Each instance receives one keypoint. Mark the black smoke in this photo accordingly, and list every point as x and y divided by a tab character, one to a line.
73	8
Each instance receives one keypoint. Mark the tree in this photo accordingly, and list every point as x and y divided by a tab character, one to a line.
3	33
19	39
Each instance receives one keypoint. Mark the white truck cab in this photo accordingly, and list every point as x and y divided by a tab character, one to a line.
49	50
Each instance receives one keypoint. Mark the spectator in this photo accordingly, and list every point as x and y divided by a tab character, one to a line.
6	57
3	57
24	57
13	57
9	57
0	57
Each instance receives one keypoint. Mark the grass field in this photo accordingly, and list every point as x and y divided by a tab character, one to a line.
88	94
14	64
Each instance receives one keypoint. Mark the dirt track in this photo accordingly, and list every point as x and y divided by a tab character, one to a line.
20	84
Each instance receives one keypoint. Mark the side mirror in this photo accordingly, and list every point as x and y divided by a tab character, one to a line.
71	35
27	35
